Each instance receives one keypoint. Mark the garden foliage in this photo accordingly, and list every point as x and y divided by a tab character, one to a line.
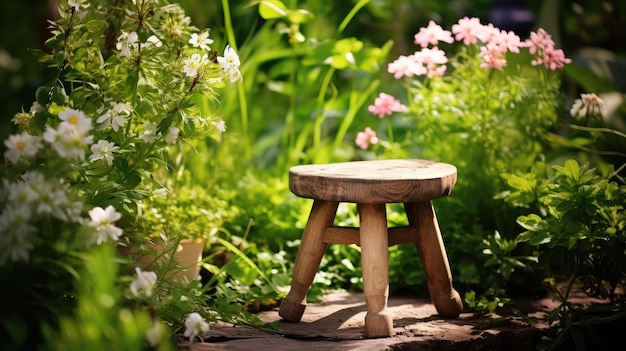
322	81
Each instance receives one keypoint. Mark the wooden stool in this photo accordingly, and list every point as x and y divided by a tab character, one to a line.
371	185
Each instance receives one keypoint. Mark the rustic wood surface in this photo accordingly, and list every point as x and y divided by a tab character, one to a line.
373	182
371	185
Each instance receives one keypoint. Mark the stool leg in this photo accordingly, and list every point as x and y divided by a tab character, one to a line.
375	262
308	259
433	256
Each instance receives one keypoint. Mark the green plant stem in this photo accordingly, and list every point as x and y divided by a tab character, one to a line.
556	289
321	112
604	153
241	90
288	138
390	131
351	15
597	129
321	116
240	254
570	284
353	110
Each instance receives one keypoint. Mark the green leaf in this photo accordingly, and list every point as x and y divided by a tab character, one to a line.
344	46
130	89
530	222
320	7
571	169
132	180
571	142
55	41
299	16
243	272
533	238
58	95
42	95
520	183
589	80
271	9
59	58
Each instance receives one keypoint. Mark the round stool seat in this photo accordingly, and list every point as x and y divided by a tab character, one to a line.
373	182
372	185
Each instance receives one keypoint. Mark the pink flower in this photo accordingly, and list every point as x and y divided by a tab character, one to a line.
432	59
365	138
386	104
539	41
406	66
431	56
488	33
541	45
508	41
432	35
467	30
492	56
554	59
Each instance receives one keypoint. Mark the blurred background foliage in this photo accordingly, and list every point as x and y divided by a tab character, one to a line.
575	26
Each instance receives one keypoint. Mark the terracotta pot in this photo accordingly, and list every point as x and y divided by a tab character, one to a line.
188	256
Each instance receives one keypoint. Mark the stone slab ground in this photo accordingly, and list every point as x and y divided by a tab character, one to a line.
337	323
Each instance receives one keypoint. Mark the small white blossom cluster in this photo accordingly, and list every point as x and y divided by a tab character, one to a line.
34	197
115	117
230	63
589	105
194	64
128	43
27	201
196	326
144	283
78	5
151	134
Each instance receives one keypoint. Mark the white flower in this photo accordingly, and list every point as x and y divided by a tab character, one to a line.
103	150
201	40
78	4
102	221
149	134
53	203
71	136
17	212
143	284
126	42
589	105
52	199
35	107
73	210
21	145
220	126
153	40
67	142
230	63
172	135
154	333
21	118
162	193
22	193
77	121
16	240
114	117
193	63
196	326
